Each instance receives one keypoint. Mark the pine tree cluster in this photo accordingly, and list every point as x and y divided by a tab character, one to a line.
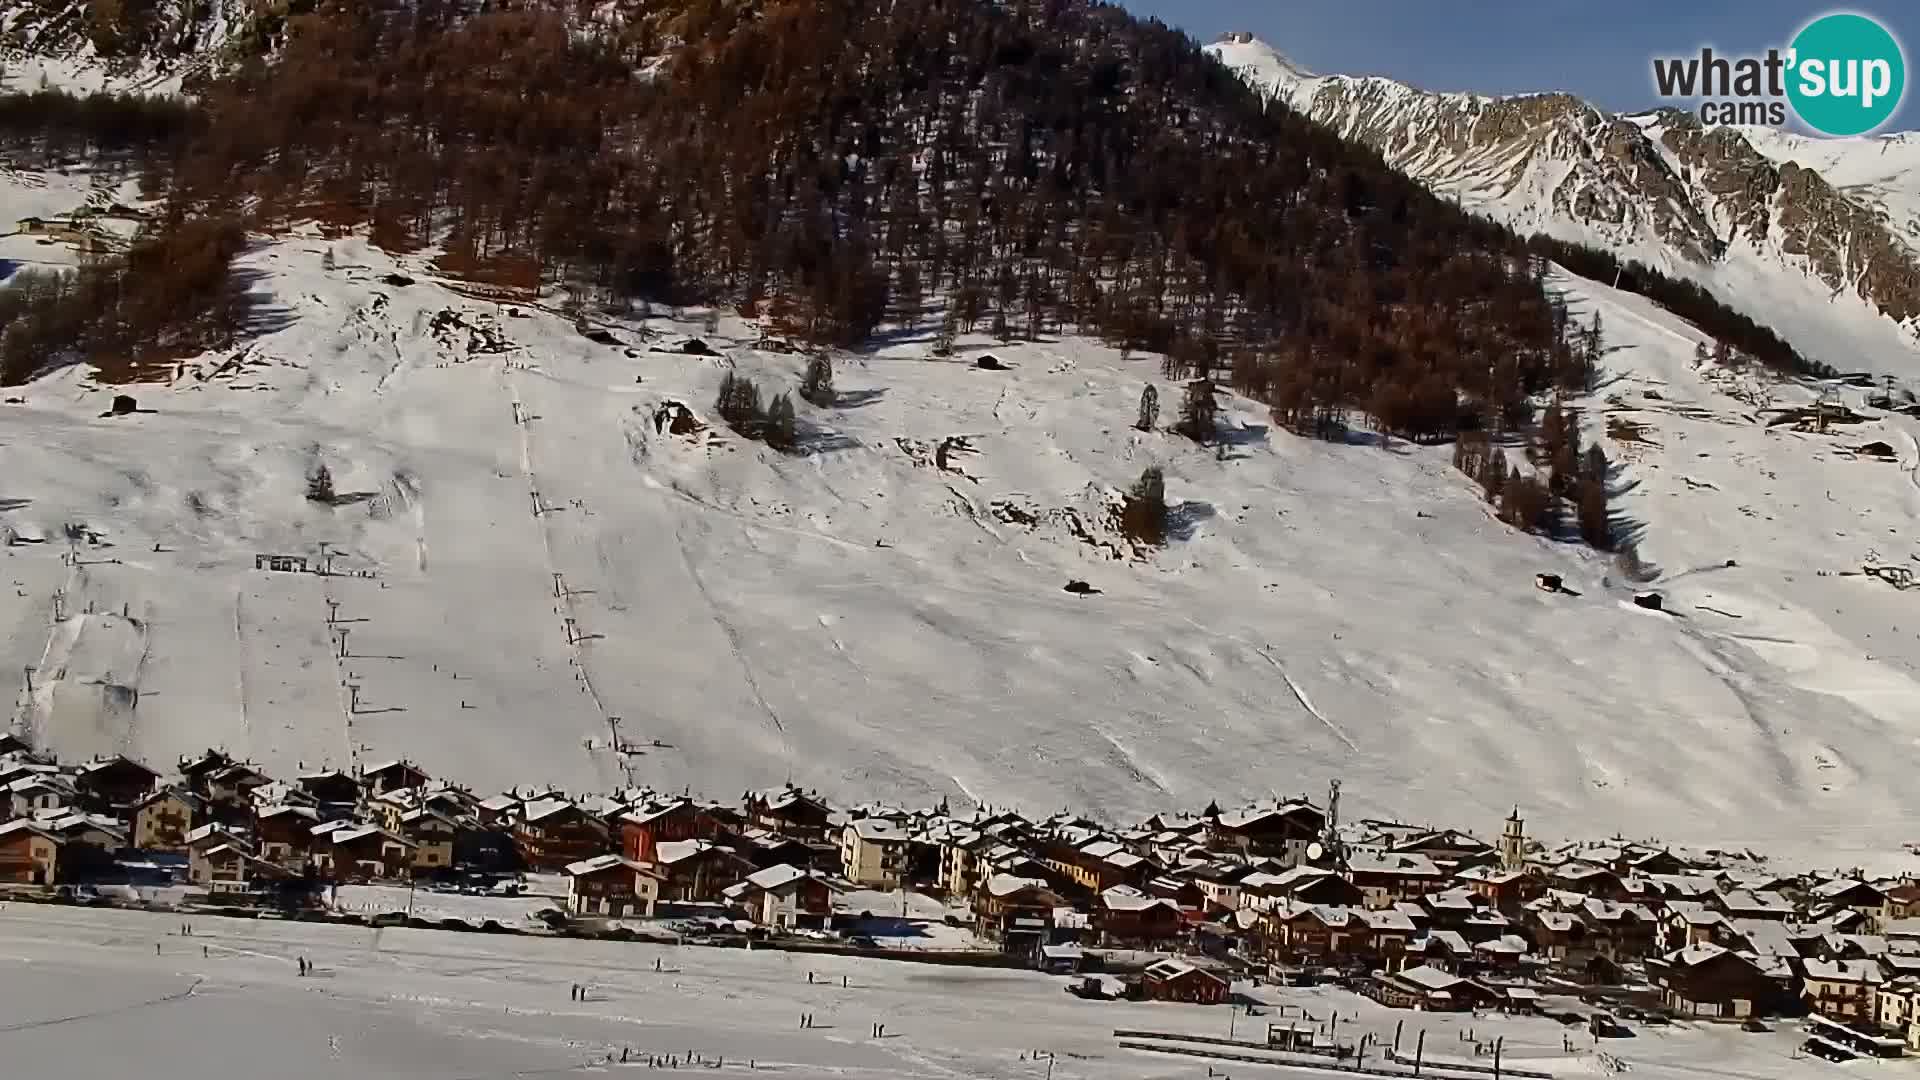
738	404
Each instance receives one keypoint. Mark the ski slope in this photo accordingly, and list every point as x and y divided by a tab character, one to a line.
427	1005
860	620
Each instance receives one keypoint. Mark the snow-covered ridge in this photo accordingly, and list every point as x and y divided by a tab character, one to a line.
1818	238
880	619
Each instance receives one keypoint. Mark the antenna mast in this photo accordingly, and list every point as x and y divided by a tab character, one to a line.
1336	853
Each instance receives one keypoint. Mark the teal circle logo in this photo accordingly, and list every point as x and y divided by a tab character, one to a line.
1848	74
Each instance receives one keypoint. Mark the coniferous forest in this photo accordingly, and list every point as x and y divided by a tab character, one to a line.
1025	168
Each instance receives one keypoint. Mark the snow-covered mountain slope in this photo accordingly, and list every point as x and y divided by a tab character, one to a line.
154	47
1819	239
862	619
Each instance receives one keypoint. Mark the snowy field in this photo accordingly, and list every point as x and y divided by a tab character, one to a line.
88	997
860	620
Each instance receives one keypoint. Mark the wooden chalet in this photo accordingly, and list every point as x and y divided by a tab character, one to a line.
1178	980
227	869
643	828
392	776
163	819
1314	935
1428	989
29	854
791	812
432	833
1386	879
1015	911
195	771
698	871
612	886
285	834
1864	900
1123	915
553	833
333	790
1505	890
1281	832
1710	982
784	897
357	852
1842	990
114	785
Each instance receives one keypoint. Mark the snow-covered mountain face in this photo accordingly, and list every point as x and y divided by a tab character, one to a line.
1818	238
553	542
155	47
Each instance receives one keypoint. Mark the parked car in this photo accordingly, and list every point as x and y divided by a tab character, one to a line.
862	941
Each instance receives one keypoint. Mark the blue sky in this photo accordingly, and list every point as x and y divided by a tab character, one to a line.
1599	49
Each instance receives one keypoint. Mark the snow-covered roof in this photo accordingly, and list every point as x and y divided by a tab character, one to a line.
775	878
1253	815
1128	898
1694	913
546	808
879	831
27	825
1847	971
1431	978
1491	875
1175	968
1009	884
1559	922
1694	955
1831	890
1400	865
1742	901
361	832
597	864
1451	940
1387	920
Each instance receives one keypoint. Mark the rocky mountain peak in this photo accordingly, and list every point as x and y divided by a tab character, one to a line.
1826	217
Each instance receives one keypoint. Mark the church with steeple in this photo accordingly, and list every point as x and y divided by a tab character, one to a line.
1513	843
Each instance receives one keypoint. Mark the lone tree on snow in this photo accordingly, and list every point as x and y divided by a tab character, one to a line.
1149	409
817	385
1144	515
1197	411
320	484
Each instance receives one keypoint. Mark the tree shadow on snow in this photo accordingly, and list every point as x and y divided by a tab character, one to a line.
858	399
1184	520
261	315
1239	438
812	441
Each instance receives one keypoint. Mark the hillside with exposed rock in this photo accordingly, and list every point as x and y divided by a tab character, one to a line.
1818	238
